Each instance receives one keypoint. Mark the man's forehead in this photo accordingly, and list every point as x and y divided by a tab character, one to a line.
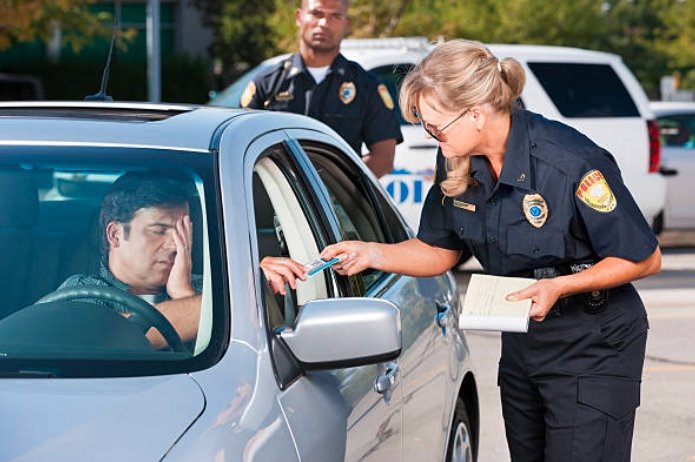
159	212
325	5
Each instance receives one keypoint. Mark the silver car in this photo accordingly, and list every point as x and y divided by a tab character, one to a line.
371	367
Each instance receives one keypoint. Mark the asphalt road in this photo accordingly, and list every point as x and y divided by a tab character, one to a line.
665	427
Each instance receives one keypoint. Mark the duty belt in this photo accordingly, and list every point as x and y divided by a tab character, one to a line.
593	302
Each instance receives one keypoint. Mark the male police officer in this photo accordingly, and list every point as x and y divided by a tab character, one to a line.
319	82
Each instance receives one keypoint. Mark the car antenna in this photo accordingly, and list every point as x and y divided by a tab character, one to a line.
102	96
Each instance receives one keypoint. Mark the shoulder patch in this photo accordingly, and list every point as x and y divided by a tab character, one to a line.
248	94
385	96
594	191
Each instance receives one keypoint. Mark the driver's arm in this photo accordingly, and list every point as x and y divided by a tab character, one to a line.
183	314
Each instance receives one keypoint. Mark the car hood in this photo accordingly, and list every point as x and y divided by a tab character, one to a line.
95	419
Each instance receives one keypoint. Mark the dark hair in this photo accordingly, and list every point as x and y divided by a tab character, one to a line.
133	191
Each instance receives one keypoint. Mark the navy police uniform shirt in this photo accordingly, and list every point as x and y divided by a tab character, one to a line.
349	100
560	200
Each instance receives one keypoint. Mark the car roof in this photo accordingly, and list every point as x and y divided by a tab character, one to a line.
377	51
146	125
663	108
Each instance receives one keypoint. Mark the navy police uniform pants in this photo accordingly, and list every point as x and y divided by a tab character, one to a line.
571	385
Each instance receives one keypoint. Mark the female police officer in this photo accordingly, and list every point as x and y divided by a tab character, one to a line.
532	197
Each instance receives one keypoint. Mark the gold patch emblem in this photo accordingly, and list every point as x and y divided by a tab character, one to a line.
535	209
594	191
385	96
347	92
248	93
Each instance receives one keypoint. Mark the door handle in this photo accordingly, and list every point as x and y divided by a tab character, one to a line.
385	381
442	316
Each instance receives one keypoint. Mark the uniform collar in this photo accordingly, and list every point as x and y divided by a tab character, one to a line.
516	171
339	66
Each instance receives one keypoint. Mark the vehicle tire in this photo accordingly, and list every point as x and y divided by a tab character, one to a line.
461	442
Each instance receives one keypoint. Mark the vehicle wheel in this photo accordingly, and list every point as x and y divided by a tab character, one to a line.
461	438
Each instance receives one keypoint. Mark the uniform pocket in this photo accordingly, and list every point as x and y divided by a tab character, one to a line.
614	396
535	243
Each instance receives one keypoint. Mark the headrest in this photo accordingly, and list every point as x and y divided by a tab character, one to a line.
19	199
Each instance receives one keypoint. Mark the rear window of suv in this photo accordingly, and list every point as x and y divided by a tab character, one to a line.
585	90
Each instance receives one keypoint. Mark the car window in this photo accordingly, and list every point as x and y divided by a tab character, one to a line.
585	90
53	243
360	214
677	130
392	76
284	229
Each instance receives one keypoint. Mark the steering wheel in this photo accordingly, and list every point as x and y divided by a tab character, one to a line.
119	297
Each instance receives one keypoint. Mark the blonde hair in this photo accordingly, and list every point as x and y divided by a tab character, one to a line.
457	75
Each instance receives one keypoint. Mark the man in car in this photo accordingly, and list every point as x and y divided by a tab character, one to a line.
146	237
321	83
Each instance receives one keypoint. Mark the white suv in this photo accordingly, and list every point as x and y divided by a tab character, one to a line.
592	91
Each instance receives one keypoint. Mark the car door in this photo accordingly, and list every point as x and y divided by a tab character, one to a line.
678	155
337	414
427	367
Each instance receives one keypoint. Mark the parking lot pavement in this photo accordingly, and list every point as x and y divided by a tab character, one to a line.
666	418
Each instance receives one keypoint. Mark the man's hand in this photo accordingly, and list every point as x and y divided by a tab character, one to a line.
281	270
179	282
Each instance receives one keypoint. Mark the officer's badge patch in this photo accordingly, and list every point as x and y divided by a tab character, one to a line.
347	92
385	96
535	209
248	93
594	191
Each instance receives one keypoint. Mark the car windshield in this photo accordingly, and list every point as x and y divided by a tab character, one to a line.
85	257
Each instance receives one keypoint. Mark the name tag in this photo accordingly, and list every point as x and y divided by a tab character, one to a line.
464	205
284	96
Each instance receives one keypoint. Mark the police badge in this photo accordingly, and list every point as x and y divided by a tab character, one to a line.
347	92
535	209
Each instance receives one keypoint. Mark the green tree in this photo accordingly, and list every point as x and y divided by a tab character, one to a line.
242	34
676	39
23	21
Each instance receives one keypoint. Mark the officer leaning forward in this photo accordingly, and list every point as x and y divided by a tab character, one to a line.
319	82
535	198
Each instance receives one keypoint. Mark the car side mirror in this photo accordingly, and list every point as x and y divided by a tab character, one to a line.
345	332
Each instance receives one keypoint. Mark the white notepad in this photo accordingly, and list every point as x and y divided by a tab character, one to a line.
485	306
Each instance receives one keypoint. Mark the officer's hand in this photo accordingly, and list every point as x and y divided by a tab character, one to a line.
179	282
281	270
355	256
543	293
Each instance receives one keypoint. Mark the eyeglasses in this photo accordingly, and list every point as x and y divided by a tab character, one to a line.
435	132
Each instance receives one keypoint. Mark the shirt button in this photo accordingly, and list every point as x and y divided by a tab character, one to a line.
493	201
536	249
491	239
533	145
